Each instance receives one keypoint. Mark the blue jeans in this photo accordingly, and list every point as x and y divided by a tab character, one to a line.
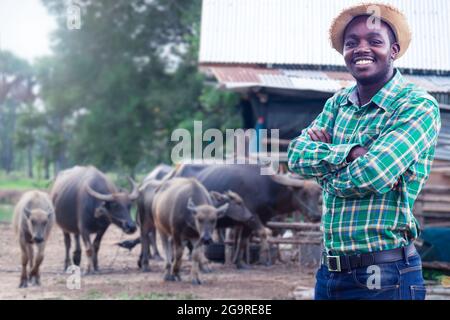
388	281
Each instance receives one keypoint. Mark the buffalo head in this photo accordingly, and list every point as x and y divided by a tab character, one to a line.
205	218
38	220
116	207
304	195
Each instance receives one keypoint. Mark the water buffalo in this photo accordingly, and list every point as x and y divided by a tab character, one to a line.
32	222
143	217
237	213
264	195
87	202
183	212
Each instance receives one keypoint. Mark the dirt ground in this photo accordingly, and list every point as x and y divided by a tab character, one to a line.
119	277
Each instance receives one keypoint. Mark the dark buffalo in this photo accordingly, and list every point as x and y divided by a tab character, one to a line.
237	213
148	234
264	195
87	202
183	212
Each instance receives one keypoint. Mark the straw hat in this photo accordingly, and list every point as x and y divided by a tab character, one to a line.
387	13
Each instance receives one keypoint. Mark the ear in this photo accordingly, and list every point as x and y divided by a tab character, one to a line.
27	212
395	50
221	210
101	211
191	206
217	196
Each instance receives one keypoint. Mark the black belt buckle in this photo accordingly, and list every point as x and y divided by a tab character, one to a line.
333	263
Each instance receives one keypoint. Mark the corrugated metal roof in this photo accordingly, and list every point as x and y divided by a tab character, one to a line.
233	77
296	32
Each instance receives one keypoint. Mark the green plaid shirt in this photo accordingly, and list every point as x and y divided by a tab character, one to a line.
362	211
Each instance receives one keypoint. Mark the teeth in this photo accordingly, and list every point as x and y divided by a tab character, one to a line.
359	62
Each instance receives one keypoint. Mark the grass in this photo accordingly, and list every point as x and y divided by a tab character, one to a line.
155	296
6	212
20	181
93	295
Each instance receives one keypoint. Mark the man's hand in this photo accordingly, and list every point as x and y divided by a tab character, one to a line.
356	152
319	135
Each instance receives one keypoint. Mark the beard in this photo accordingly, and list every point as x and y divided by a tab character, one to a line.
383	73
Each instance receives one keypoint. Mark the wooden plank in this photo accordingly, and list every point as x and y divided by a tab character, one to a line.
308	233
286	241
295	241
441	170
438	215
436	189
434	198
436	207
438	265
437	224
294	225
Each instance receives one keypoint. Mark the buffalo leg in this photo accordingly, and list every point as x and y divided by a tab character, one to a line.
241	245
204	263
77	251
89	252
178	249
168	253
23	277
96	245
67	245
152	237
190	247
30	254
145	249
34	273
196	257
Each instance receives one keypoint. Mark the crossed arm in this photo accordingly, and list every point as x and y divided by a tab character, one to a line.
409	132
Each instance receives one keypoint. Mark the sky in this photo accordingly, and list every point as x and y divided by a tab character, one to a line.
25	27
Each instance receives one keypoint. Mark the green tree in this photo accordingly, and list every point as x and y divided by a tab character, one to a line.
117	87
16	88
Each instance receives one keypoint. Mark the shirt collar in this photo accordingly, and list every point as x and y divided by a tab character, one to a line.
384	97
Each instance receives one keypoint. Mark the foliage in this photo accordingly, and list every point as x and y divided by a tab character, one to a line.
113	91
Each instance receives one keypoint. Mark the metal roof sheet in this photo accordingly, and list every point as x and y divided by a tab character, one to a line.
296	32
232	77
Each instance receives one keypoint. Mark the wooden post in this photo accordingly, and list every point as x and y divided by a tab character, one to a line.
228	247
418	213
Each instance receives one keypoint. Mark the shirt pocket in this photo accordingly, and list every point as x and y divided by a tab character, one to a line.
367	137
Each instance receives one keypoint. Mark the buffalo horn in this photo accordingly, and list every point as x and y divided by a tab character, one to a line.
99	196
288	181
135	191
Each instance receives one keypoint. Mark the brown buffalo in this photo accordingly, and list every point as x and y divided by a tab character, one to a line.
32	221
183	212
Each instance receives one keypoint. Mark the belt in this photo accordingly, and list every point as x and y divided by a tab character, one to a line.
349	262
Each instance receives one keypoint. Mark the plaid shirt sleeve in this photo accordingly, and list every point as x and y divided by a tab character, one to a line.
314	159
409	132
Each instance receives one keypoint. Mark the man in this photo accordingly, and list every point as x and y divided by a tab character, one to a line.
371	150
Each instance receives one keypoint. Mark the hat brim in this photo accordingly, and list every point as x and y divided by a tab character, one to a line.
387	13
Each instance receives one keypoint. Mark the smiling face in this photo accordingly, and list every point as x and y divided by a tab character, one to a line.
369	52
